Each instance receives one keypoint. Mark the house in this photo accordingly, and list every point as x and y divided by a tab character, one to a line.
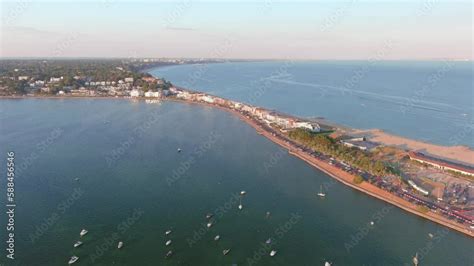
150	94
207	99
23	77
129	80
314	127
136	93
54	79
61	93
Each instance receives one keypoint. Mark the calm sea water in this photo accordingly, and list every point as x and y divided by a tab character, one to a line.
429	101
134	183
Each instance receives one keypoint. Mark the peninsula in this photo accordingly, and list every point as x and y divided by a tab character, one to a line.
431	181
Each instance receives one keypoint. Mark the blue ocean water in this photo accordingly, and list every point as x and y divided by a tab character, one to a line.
132	185
428	101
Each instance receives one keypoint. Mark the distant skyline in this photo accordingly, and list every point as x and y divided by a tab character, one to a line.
342	30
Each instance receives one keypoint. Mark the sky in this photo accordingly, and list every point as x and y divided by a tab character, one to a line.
266	29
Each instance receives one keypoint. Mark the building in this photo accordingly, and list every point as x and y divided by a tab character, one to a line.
152	94
314	127
441	163
130	80
136	93
23	77
207	99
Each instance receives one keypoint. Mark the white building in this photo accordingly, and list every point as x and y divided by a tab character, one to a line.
22	77
129	80
151	94
136	93
311	126
207	99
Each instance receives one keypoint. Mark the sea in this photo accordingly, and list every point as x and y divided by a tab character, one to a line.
112	166
431	101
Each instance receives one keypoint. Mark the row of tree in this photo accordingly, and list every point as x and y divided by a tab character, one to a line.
353	156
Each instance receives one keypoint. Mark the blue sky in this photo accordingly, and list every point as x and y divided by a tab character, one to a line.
428	29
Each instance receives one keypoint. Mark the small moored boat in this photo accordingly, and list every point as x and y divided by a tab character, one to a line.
226	251
209	224
168	243
273	253
217	237
372	223
327	264
73	259
83	232
209	216
77	244
269	241
169	254
179	149
321	194
243	192
120	245
167	232
430	235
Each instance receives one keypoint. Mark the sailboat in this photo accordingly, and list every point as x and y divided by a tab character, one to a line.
321	194
415	259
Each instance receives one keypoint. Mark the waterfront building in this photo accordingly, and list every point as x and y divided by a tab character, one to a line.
314	127
150	94
441	163
136	93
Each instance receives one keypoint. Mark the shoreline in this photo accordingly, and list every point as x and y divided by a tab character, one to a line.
332	171
341	175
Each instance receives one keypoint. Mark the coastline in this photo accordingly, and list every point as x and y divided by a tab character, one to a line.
341	175
334	172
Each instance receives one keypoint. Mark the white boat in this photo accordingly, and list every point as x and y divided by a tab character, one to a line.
209	215
273	253
77	244
321	194
167	232
217	237
269	241
327	264
168	243
243	192
179	149
226	251
241	207
430	235
209	224
83	232
372	223
169	254
415	259
120	245
73	259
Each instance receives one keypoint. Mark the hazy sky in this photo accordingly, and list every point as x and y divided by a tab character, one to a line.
429	29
